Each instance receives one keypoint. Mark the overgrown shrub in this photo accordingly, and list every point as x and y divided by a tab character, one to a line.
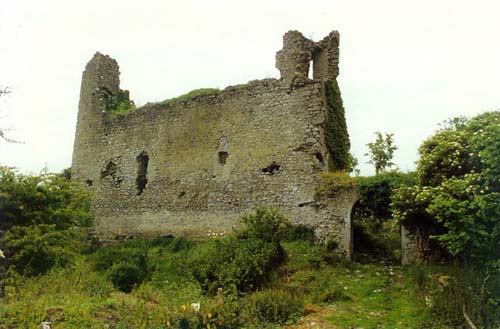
264	224
235	265
272	306
125	276
142	258
297	232
270	225
34	250
375	193
375	234
245	262
453	292
458	190
333	182
44	221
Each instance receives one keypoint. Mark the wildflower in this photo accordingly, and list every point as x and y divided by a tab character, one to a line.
428	301
1	254
46	325
183	308
196	306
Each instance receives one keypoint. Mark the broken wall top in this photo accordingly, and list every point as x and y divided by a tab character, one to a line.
298	53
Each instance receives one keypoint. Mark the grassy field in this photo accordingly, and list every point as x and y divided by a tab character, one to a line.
333	294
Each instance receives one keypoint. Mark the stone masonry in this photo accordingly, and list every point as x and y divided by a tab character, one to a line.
193	167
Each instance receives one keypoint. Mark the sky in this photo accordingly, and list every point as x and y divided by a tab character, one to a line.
405	66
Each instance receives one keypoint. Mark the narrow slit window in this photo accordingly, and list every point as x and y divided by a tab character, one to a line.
310	74
142	172
223	157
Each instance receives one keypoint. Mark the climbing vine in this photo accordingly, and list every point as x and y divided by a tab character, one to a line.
336	135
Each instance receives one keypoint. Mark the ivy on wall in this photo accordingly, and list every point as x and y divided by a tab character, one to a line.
336	135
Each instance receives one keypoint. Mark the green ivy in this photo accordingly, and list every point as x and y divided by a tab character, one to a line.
336	135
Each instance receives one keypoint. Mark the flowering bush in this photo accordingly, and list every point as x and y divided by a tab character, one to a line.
459	189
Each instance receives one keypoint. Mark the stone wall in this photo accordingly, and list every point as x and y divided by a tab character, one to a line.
193	167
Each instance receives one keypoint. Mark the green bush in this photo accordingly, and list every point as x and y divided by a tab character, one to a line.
272	306
458	190
332	245
34	250
375	193
126	276
264	224
297	232
134	252
44	221
235	265
450	290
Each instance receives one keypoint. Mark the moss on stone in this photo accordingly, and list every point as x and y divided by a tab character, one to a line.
119	104
191	94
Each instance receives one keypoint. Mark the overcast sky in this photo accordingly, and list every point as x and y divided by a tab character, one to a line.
405	66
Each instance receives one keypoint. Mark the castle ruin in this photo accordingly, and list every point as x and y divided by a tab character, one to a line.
194	166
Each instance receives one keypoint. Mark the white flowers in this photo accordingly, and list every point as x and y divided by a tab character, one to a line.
196	306
46	325
1	254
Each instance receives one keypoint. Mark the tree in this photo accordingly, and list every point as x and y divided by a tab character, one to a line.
382	152
44	219
4	91
458	189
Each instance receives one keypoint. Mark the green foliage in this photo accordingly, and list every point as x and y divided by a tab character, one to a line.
271	226
332	245
235	265
272	307
382	152
375	235
190	95
376	191
374	240
264	224
127	275
34	250
336	135
347	294
459	189
45	219
297	232
130	263
333	182
353	163
117	105
246	262
448	291
43	199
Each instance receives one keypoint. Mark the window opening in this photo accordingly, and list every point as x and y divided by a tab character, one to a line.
223	157
142	172
271	169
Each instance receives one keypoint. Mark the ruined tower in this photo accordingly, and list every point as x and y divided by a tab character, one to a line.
194	166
